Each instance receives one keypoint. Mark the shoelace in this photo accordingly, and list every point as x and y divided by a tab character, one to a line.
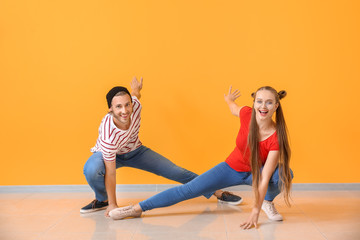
93	203
127	208
272	209
225	194
128	212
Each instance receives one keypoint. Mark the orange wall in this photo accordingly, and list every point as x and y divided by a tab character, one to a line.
58	59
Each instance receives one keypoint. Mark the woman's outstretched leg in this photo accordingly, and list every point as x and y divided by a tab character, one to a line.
221	176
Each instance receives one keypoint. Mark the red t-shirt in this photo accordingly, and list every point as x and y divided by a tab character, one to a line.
239	159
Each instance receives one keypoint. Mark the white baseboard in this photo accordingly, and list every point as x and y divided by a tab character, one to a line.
162	187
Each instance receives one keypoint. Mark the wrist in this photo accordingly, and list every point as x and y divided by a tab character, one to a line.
228	101
135	93
113	204
112	200
256	210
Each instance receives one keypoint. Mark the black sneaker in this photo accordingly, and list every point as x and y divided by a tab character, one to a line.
94	206
229	198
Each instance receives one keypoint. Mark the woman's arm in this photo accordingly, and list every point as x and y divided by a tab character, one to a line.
268	170
230	100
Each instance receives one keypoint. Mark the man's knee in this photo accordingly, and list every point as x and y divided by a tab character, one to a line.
94	166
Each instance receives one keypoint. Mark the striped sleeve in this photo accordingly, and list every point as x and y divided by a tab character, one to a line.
108	149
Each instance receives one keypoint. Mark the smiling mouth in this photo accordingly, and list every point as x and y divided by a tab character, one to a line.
263	113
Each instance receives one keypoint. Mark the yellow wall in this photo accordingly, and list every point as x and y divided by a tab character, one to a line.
59	58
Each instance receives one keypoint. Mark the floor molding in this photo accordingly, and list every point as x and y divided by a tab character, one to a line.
162	187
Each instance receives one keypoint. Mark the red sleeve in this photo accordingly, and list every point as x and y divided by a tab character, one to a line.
274	143
245	115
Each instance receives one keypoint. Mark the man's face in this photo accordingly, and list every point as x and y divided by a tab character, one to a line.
121	108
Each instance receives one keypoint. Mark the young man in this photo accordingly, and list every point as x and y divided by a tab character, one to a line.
118	145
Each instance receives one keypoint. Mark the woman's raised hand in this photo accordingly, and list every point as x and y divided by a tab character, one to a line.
232	96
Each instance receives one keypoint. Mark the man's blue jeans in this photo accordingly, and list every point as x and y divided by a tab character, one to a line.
220	176
141	158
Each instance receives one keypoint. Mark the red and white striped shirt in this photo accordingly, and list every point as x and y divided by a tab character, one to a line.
112	140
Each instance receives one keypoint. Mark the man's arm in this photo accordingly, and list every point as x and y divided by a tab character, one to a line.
110	185
136	87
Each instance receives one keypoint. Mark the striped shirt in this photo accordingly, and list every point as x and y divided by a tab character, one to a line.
112	140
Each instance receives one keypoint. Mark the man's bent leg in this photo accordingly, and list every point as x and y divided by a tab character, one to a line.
150	161
94	171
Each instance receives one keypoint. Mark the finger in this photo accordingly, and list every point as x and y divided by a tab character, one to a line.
255	225
249	226
141	81
237	95
244	225
236	92
230	89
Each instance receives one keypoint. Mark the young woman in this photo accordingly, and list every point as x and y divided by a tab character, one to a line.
261	159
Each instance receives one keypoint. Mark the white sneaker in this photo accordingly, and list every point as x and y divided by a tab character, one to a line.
124	212
271	212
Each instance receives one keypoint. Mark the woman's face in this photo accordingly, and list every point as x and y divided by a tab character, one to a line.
265	104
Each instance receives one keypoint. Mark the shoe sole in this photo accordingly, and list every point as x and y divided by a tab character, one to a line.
92	210
230	203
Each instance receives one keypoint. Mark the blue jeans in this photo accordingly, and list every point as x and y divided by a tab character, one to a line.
220	176
141	158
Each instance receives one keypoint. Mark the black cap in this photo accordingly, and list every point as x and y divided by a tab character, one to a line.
113	92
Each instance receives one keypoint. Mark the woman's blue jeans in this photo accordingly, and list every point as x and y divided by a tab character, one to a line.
220	176
141	158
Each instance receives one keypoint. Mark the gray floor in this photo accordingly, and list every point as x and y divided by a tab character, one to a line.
313	215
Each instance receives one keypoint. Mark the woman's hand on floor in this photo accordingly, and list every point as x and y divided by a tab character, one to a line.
252	220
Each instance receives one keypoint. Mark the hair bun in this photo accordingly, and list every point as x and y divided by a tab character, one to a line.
253	95
282	94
